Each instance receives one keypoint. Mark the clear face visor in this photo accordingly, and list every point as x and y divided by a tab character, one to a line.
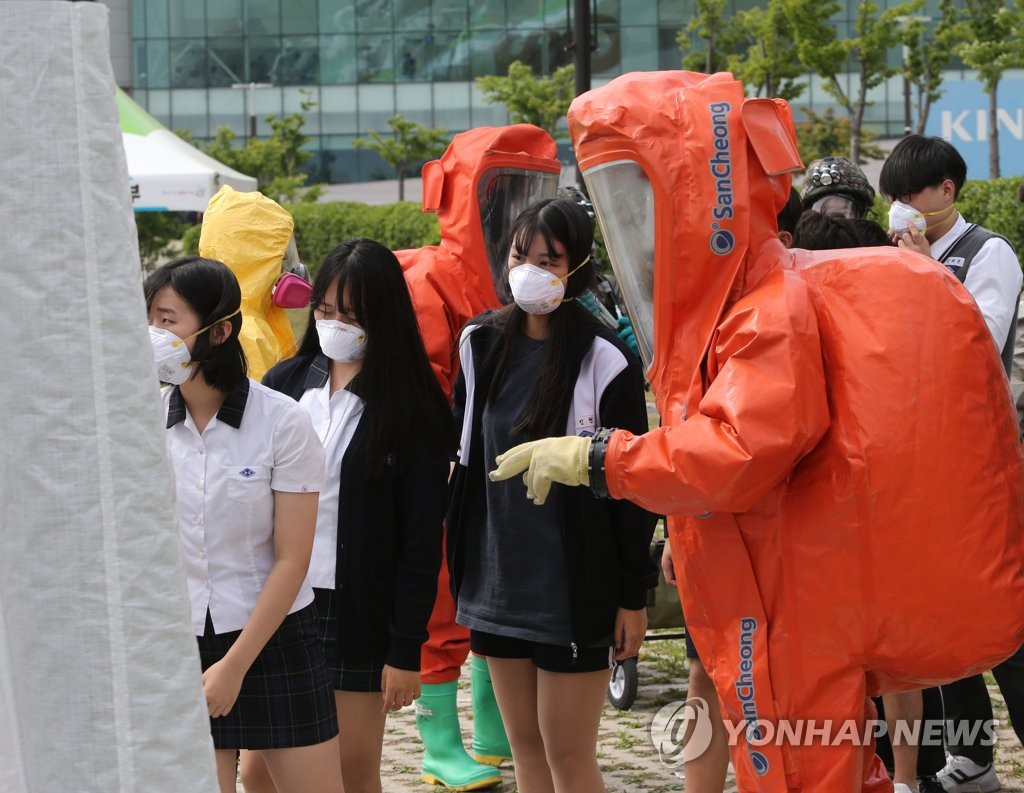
502	193
624	201
292	288
292	263
837	204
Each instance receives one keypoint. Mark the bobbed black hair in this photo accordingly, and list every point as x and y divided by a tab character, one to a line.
818	232
917	162
567	222
871	234
402	398
212	291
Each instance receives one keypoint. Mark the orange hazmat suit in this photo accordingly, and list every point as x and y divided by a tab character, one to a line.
838	457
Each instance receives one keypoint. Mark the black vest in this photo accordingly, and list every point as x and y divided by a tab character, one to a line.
966	247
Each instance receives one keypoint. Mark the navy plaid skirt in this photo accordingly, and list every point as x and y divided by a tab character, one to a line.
286	697
346	674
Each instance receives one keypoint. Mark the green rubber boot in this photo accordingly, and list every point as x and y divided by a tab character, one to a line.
490	743
445	761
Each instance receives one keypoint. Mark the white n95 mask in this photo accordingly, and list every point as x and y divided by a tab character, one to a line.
535	290
340	341
171	356
903	216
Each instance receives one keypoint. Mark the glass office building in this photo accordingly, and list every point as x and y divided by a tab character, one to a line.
363	61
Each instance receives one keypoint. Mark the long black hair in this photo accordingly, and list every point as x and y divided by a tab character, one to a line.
402	397
211	290
567	222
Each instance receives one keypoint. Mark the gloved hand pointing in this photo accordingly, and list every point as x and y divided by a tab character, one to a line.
545	461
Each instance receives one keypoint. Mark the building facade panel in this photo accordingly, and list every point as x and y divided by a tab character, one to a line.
363	61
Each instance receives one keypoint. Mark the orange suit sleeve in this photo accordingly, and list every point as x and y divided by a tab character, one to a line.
762	409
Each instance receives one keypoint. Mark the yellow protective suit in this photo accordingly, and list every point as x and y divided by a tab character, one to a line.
477	188
249	233
838	456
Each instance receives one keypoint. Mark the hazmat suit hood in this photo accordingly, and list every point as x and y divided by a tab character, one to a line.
485	178
635	149
479	186
250	234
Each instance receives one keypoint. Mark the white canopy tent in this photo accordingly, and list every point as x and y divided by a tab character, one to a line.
166	173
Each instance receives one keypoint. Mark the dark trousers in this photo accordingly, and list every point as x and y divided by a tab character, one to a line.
968	700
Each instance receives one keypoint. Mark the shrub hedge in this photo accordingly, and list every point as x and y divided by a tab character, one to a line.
991	203
319	227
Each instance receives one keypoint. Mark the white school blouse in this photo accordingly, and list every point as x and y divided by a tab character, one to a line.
335	418
259	441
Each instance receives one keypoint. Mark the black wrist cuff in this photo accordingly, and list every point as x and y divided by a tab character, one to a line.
595	462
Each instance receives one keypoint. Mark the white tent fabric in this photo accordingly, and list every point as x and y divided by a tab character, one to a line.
99	674
166	173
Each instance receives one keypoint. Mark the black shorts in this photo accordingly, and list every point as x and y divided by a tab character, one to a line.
564	658
286	697
691	648
347	674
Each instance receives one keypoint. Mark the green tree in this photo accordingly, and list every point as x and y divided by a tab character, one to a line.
822	52
992	45
718	31
410	143
768	63
826	135
275	161
925	57
158	232
541	101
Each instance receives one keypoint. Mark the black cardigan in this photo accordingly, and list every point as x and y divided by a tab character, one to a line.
607	542
389	538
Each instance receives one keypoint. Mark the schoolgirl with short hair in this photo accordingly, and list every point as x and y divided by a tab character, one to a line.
247	468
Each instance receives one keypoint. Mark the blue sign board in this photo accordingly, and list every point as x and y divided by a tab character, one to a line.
961	117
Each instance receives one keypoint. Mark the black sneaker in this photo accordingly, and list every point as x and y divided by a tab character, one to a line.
929	784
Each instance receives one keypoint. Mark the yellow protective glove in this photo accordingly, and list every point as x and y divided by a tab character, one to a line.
545	461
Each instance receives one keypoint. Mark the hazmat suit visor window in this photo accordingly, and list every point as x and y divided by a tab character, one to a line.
502	193
624	201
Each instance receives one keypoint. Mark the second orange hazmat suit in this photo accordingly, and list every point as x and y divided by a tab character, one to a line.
838	455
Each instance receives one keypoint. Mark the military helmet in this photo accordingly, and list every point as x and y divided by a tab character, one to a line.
836	176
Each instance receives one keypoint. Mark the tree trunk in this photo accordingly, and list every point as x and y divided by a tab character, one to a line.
993	131
400	174
857	119
924	103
